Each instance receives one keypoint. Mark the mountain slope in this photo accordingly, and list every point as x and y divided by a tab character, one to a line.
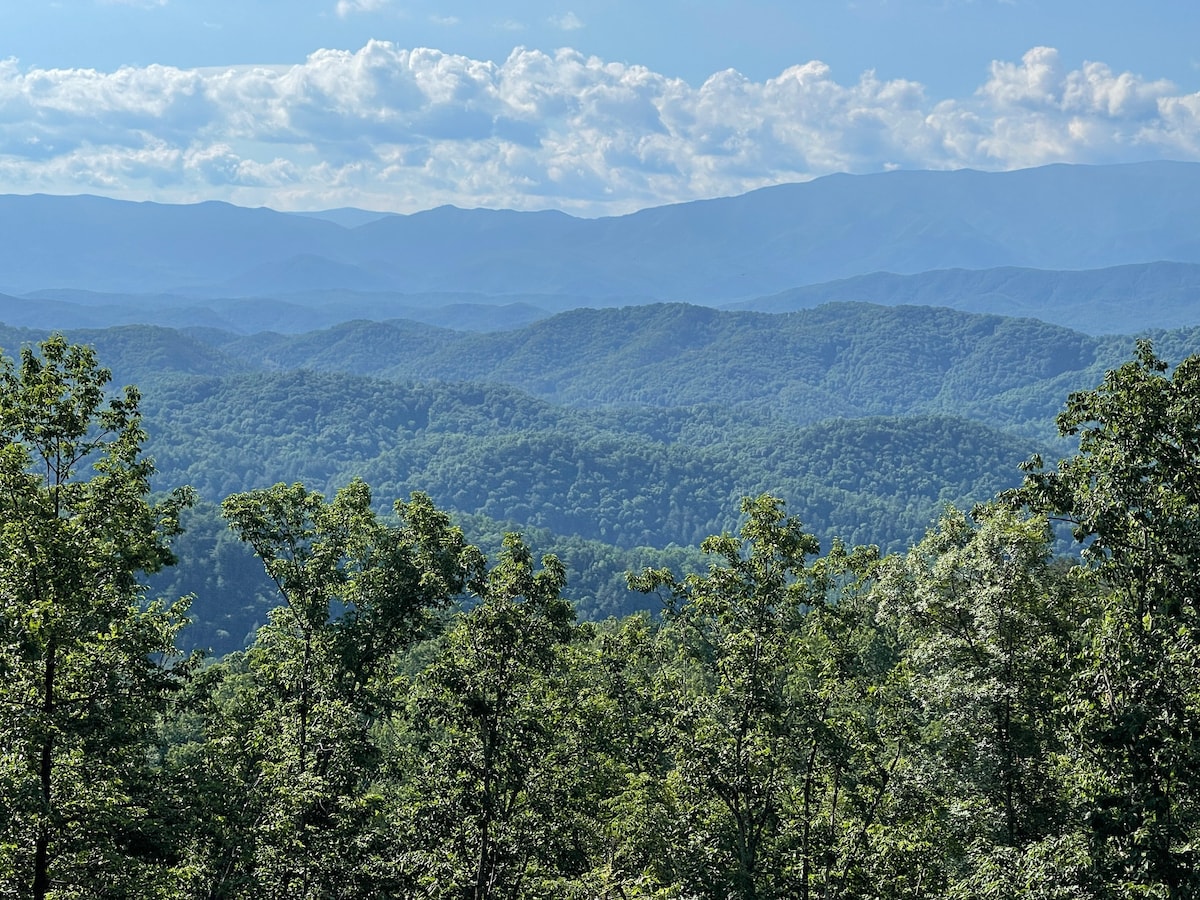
848	359
770	240
1115	300
936	406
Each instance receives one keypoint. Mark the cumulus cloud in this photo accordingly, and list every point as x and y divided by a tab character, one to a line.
390	127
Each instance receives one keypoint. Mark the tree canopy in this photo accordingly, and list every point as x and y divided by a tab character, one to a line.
979	715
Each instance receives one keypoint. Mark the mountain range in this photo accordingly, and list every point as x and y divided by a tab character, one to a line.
1092	247
869	348
613	437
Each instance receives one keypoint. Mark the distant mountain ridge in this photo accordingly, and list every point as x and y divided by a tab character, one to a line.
1115	300
838	360
286	313
715	251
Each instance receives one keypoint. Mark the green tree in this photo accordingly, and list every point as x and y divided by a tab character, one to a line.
1132	497
619	670
781	762
87	664
298	719
989	627
497	799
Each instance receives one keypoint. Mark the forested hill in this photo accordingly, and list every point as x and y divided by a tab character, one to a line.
615	434
424	716
608	493
1112	300
646	478
837	360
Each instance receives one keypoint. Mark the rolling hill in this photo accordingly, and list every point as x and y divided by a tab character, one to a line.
616	436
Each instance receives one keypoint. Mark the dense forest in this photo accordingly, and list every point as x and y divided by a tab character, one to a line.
614	438
973	716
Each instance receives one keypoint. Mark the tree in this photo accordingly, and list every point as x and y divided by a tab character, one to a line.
781	762
87	665
1132	498
989	630
298	720
496	801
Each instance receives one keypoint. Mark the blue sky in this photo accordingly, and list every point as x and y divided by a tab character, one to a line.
592	106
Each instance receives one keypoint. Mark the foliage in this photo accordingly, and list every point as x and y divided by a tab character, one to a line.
971	718
496	799
1132	495
988	628
87	663
781	747
303	709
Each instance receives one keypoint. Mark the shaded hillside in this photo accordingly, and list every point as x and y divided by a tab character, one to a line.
837	360
601	489
847	360
492	450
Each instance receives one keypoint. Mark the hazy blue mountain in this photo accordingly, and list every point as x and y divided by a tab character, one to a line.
291	313
346	216
67	309
303	272
1115	300
99	244
713	251
478	316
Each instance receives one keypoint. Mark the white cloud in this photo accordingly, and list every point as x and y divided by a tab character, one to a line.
390	127
567	22
349	7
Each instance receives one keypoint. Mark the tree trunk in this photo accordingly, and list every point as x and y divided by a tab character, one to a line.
41	854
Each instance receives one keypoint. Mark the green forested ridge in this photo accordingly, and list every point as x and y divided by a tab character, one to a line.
866	420
636	480
495	453
968	718
838	360
845	359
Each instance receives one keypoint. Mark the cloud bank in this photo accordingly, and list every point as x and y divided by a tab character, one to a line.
404	129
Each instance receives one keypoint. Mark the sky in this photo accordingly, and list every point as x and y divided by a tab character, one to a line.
595	107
